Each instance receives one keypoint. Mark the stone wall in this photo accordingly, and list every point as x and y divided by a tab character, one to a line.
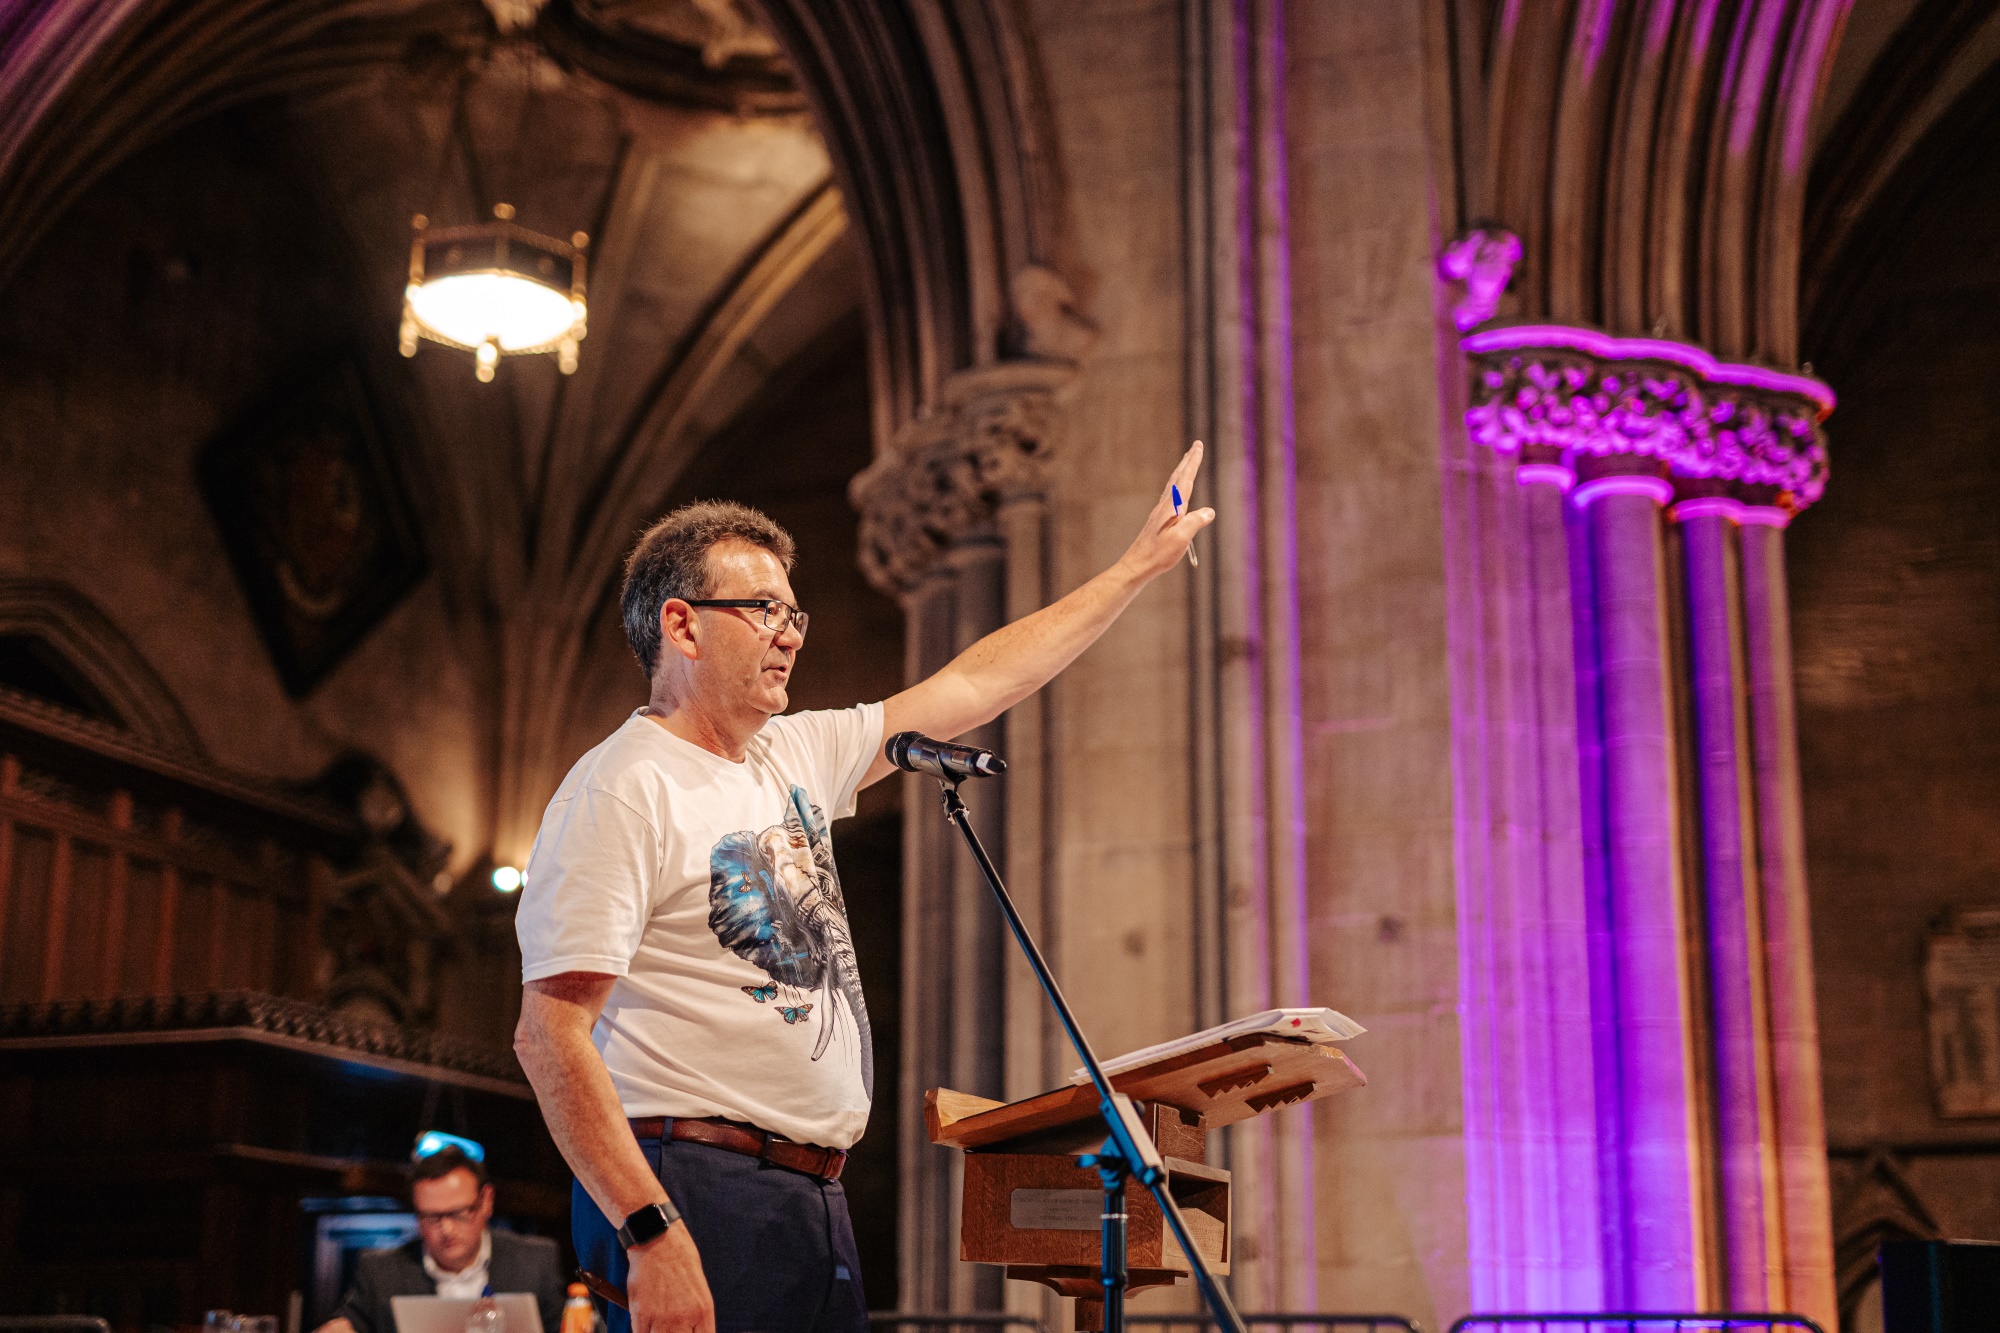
1896	617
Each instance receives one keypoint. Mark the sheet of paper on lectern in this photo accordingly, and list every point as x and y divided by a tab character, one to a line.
1319	1026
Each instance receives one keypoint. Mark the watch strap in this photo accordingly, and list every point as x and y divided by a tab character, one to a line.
648	1223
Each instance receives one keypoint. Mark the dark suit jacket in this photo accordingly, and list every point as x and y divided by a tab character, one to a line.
519	1263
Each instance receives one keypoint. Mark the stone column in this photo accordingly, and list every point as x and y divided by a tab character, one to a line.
1745	1127
1649	1036
1564	1125
1805	1209
930	1181
1249	742
950	525
1709	1141
1529	1103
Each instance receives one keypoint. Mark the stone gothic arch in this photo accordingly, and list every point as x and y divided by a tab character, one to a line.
1652	157
90	645
946	173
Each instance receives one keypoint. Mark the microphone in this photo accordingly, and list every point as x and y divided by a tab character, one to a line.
914	752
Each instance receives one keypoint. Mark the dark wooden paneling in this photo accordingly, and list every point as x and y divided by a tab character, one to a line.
190	941
21	969
140	942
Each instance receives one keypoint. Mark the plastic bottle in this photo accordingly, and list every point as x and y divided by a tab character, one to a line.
486	1317
579	1315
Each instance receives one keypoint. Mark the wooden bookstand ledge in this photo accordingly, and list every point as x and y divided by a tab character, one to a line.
1028	1205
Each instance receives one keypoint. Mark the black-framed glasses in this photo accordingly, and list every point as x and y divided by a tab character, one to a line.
456	1216
778	616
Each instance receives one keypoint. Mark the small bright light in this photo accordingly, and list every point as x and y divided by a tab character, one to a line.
433	1141
506	879
474	308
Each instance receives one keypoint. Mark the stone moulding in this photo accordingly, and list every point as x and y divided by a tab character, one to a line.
1551	391
949	472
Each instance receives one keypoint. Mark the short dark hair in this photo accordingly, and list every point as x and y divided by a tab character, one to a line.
445	1161
671	560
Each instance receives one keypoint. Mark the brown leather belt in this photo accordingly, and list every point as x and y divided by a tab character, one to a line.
820	1163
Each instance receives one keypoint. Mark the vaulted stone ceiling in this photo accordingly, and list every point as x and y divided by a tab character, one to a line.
1914	90
669	130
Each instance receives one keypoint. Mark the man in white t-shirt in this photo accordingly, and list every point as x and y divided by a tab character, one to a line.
691	1017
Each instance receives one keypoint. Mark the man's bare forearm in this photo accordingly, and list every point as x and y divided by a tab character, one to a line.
1015	660
581	1106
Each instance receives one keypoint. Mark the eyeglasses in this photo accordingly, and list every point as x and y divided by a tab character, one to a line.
778	616
456	1216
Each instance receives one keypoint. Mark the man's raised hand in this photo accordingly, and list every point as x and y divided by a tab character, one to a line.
1164	537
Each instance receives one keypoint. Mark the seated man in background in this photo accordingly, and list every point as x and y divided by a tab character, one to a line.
455	1253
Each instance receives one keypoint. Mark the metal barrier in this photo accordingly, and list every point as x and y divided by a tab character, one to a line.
1373	1323
1635	1322
948	1320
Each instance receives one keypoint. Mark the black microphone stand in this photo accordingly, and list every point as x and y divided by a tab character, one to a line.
1129	1151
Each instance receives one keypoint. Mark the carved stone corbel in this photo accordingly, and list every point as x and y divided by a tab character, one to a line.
948	473
1482	263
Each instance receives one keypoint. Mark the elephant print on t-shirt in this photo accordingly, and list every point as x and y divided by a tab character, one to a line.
774	901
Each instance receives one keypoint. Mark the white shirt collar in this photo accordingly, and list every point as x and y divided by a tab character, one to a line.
468	1281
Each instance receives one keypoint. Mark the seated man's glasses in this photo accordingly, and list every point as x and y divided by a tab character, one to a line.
778	616
456	1216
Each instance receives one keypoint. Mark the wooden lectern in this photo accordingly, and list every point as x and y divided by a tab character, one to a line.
1029	1206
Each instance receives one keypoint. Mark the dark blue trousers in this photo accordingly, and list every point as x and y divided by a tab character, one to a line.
776	1245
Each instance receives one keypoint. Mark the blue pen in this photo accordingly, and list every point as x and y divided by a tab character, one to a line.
1179	506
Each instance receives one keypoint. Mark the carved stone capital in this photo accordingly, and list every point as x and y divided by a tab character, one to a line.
949	472
1550	392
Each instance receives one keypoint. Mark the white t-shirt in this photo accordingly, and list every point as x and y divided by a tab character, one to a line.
708	888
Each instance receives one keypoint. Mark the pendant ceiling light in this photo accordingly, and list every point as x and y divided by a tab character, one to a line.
494	288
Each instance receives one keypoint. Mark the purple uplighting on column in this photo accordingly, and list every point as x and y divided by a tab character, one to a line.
1548	392
1739	1008
1530	1122
1657	489
1764	516
1708	506
1648	1033
1545	474
1521	337
1794	1026
1700	1063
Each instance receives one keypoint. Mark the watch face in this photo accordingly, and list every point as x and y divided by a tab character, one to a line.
645	1224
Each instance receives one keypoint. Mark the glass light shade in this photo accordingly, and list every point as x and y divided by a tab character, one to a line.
495	289
474	308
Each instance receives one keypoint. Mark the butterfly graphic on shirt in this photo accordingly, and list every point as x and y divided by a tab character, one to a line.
775	902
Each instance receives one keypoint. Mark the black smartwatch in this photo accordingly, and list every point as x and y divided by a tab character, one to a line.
649	1223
